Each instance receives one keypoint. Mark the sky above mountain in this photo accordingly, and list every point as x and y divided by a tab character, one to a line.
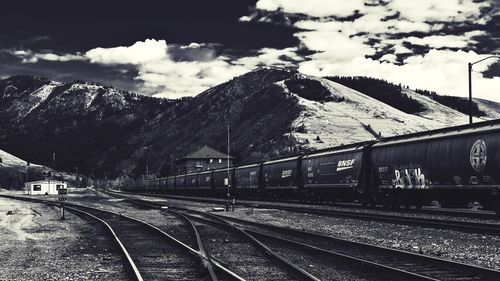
180	48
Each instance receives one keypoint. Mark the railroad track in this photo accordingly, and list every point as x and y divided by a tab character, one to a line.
466	226
325	265
429	268
486	215
149	252
417	266
242	253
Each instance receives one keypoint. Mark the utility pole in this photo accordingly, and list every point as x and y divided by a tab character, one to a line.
470	82
228	187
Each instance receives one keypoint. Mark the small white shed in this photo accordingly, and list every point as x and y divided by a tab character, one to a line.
44	186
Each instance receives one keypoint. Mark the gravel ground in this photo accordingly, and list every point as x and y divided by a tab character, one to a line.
37	245
478	249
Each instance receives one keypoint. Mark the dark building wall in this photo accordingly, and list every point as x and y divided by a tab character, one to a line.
198	165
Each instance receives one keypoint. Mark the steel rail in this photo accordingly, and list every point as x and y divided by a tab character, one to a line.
136	275
430	259
472	227
299	271
206	259
407	274
165	234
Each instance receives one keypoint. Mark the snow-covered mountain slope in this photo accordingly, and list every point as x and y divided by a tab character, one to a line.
352	116
8	159
272	112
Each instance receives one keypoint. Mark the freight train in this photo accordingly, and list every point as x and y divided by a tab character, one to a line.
454	165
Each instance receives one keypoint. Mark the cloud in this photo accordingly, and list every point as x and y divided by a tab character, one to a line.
29	56
409	42
268	56
140	52
449	41
438	10
316	8
442	71
175	71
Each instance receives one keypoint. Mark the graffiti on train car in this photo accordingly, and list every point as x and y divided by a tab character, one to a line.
409	178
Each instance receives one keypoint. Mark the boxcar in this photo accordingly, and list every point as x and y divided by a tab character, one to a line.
191	183
247	180
162	185
335	174
204	182
454	166
281	178
170	184
180	184
219	178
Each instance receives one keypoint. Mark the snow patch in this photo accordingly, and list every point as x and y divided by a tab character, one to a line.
358	117
87	91
40	95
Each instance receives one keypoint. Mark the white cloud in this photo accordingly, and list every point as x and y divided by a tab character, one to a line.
334	46
437	10
140	52
442	71
164	76
270	56
55	57
317	8
450	41
29	56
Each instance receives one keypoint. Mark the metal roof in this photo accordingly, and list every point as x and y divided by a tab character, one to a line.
206	152
45	181
481	127
281	160
334	152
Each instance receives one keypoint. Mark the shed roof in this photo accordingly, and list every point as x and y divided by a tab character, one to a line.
45	181
206	152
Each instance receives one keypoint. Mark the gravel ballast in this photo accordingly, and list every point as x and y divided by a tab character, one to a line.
37	245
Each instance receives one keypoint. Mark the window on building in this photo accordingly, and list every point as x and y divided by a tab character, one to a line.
59	186
37	187
220	161
211	160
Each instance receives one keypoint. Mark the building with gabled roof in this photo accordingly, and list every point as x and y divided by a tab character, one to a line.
203	159
45	187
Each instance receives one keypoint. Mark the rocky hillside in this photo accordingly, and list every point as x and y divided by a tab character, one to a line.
271	112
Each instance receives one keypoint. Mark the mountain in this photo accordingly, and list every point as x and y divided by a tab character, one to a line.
271	112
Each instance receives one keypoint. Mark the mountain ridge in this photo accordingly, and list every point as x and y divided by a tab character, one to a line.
271	112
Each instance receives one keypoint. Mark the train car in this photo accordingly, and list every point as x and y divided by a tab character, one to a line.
191	183
334	174
247	180
454	166
162	185
220	181
281	178
180	184
170	184
204	182
153	185
142	186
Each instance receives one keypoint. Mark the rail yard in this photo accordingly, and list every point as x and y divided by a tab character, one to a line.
148	237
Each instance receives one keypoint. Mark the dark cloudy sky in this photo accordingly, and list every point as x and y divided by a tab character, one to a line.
180	48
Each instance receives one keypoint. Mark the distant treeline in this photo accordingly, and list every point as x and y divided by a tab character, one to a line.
392	95
458	103
381	90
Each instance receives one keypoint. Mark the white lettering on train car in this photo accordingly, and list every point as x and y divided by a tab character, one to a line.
286	173
345	164
409	178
